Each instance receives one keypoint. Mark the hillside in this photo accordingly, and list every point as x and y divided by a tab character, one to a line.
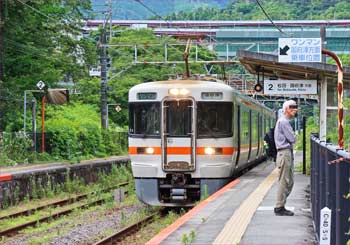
131	9
277	10
225	9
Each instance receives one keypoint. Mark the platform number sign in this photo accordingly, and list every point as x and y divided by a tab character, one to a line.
290	87
325	226
299	50
40	85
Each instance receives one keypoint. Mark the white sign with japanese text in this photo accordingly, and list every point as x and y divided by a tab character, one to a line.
290	87
299	50
325	226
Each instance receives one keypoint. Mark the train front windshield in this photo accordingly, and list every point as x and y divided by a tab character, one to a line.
214	119
144	119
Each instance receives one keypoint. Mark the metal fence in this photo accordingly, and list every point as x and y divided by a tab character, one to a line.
330	187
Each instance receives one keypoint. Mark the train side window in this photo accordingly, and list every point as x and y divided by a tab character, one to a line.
144	119
254	125
214	119
245	126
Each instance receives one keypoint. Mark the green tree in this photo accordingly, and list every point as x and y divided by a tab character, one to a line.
41	42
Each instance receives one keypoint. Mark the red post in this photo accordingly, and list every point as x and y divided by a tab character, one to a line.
340	97
43	101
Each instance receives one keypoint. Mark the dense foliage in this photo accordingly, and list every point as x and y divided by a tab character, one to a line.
42	42
277	10
133	10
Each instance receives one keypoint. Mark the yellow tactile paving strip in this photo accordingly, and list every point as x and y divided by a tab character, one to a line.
234	229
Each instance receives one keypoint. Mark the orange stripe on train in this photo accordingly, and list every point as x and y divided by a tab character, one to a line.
181	150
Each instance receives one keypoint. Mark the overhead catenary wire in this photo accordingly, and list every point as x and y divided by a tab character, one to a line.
67	25
270	19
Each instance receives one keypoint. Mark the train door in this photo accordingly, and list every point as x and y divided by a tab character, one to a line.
245	133
178	134
237	134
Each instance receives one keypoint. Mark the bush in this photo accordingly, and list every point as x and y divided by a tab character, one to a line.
14	147
76	132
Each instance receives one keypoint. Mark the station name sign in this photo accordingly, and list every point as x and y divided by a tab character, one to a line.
299	50
290	87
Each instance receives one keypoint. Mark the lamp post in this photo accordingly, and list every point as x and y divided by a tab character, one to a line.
117	108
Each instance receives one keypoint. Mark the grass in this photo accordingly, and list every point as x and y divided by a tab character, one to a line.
65	223
71	187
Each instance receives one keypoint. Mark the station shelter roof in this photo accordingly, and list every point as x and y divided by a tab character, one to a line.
268	65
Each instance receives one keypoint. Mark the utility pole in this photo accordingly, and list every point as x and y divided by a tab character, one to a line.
2	23
110	6
104	79
104	113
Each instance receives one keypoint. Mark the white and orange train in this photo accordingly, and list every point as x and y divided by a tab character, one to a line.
188	138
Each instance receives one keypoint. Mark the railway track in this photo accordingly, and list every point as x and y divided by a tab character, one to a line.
54	215
129	230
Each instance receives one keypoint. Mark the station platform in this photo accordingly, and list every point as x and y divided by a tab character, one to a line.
242	213
22	171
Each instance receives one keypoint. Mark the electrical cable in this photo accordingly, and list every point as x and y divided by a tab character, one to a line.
49	17
269	18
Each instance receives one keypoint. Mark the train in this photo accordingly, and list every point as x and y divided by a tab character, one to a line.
187	138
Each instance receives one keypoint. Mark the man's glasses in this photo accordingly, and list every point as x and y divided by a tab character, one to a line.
293	107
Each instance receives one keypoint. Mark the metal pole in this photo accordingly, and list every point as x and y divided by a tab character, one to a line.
34	123
323	41
226	51
43	101
107	117
304	145
110	20
25	112
340	97
103	80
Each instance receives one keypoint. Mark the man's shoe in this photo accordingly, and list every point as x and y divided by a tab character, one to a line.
283	212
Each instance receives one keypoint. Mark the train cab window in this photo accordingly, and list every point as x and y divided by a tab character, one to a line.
214	119
178	118
144	119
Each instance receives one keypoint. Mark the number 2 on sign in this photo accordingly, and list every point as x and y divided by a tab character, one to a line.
270	86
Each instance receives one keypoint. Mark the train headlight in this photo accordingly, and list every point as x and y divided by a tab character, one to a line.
179	91
174	91
149	150
184	91
209	151
212	151
145	150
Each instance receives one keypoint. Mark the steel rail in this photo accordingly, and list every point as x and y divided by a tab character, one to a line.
58	203
15	229
127	231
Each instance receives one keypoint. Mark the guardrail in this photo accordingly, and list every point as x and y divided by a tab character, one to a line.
330	189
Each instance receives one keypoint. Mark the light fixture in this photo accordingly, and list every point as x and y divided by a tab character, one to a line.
179	91
258	86
149	150
209	151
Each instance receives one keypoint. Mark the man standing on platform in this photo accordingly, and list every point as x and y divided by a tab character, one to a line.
284	139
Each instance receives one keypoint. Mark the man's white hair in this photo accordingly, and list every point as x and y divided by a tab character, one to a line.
288	103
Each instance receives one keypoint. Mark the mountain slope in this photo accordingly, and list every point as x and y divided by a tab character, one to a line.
133	10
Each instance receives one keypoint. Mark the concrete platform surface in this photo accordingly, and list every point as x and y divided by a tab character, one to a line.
205	225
